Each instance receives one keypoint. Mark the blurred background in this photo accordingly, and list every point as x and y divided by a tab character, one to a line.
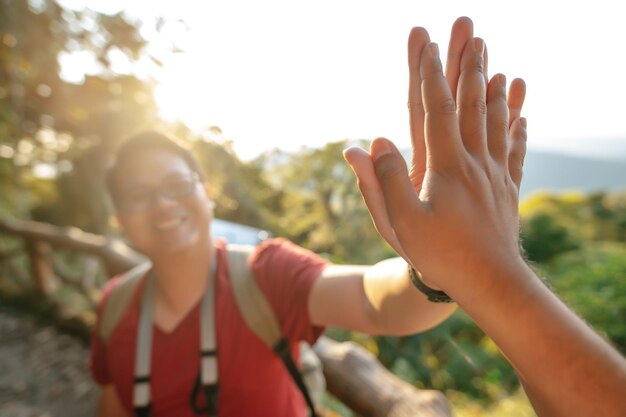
267	95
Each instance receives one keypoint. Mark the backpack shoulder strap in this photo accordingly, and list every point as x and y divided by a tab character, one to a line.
254	307
258	314
118	299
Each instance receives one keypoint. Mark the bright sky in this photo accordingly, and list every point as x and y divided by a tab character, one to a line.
291	73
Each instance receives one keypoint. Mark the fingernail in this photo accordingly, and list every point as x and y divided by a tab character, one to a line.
522	121
382	148
433	48
502	80
479	46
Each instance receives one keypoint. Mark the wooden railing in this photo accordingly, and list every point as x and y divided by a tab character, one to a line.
353	375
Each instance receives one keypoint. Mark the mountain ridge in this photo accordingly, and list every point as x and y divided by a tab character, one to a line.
558	172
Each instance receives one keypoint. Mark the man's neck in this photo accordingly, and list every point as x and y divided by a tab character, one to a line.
182	278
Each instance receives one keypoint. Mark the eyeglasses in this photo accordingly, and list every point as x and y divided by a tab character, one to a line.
139	199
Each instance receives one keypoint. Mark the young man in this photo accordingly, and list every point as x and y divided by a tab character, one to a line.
454	217
165	209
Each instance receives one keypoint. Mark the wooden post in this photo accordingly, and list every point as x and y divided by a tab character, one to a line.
40	256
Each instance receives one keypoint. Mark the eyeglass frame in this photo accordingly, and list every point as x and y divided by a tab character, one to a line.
164	190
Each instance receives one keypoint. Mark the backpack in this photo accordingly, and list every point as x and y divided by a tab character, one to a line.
254	308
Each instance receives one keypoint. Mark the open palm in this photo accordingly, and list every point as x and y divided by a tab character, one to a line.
468	147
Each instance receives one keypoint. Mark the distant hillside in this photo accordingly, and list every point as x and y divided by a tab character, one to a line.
559	172
603	149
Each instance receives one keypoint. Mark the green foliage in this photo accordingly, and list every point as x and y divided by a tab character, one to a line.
592	281
543	237
65	128
514	405
593	217
10	190
454	356
555	224
241	193
319	205
37	99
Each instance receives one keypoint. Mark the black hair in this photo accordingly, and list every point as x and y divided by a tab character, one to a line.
140	143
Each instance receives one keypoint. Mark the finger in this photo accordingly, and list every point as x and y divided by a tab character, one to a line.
418	38
401	200
517	150
462	31
486	66
441	126
471	100
497	119
515	99
363	168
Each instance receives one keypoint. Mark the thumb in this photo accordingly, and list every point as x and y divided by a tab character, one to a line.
363	167
401	199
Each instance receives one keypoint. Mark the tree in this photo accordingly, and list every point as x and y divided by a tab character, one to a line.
321	207
38	104
543	237
68	128
598	216
240	191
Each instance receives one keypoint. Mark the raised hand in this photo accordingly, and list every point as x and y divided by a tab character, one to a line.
458	202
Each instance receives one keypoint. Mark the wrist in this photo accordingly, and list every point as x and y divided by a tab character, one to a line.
497	278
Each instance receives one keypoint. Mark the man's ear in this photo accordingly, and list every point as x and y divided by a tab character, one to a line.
123	223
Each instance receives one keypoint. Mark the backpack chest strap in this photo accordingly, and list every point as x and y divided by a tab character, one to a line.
142	398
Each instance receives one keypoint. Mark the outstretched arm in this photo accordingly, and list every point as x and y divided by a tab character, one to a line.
458	224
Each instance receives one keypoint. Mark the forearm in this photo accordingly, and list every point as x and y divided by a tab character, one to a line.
400	308
379	299
565	365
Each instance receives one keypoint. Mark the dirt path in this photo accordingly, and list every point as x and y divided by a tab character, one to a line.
42	373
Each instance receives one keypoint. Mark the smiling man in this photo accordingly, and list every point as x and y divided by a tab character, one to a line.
165	209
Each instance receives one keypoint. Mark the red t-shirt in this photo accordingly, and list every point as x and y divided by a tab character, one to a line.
252	379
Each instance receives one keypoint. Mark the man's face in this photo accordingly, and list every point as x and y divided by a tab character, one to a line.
163	207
